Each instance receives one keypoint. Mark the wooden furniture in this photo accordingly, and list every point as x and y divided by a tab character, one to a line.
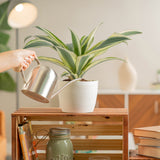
141	158
111	101
3	143
112	121
143	105
144	111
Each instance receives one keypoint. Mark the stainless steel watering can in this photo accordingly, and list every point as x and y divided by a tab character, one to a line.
41	83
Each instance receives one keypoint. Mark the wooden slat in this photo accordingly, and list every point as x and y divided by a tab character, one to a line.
97	144
82	129
2	124
89	144
82	156
71	117
58	111
55	114
15	140
125	138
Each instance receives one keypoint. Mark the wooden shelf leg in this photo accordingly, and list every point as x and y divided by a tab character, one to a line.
125	138
15	141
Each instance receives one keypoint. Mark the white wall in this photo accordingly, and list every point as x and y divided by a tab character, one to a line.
82	16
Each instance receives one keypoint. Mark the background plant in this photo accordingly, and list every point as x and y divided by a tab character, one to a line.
6	81
79	56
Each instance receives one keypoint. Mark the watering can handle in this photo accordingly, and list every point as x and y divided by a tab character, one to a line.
22	72
59	90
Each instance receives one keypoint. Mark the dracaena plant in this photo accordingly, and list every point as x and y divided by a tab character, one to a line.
79	56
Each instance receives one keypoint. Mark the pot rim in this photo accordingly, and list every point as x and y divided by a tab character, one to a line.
80	81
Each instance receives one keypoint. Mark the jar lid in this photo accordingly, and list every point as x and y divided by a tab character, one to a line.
59	131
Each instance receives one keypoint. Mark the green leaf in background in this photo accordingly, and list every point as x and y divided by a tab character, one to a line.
4	48
6	82
3	16
76	43
4	37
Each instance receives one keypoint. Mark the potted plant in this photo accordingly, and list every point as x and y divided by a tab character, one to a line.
76	59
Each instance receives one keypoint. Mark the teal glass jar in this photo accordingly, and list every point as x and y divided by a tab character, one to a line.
59	146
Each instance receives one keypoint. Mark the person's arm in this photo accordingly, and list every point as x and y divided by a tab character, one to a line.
16	59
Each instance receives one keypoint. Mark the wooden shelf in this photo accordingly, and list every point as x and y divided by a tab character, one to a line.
101	122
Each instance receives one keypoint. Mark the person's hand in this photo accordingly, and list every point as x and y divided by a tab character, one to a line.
22	59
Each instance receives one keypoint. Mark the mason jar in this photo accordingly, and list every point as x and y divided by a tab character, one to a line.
59	146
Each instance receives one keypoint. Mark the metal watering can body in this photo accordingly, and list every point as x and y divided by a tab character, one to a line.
41	82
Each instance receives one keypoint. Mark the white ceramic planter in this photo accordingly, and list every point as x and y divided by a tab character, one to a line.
79	97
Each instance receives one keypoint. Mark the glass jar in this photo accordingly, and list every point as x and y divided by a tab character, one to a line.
59	146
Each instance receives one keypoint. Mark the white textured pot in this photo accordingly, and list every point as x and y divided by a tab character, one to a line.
79	97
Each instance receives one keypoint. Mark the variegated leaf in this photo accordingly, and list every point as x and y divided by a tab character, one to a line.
93	64
76	43
57	62
89	39
130	33
54	37
81	62
68	58
37	43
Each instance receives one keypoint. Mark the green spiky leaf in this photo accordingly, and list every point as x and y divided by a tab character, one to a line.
65	74
96	62
53	37
81	62
37	43
88	40
70	47
114	38
76	43
82	39
67	57
57	62
130	33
